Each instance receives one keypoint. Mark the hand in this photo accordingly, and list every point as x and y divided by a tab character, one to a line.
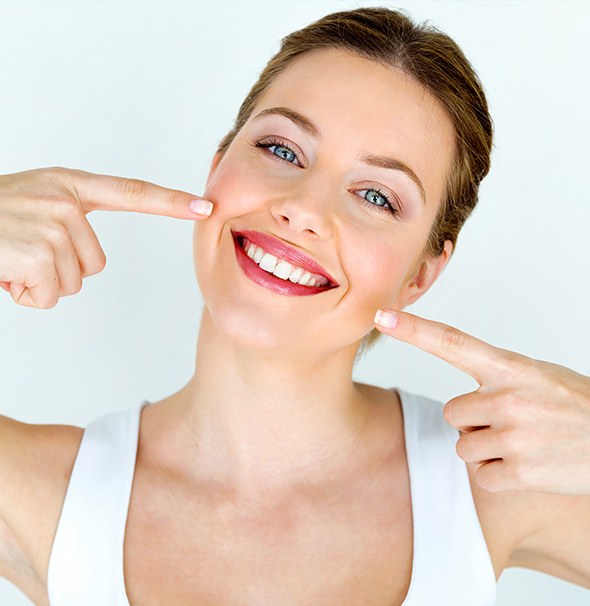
527	425
46	243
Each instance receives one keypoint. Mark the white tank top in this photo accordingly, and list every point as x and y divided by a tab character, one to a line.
451	564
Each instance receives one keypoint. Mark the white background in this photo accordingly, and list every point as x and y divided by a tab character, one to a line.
147	90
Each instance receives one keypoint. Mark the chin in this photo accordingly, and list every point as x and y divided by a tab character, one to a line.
256	333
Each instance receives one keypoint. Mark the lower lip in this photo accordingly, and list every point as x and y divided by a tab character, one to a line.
270	281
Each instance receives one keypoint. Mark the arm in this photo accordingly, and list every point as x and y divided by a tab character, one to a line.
558	542
35	466
14	564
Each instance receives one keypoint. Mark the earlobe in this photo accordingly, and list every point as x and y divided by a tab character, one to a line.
427	274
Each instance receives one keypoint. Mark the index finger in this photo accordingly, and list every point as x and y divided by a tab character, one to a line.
484	362
106	192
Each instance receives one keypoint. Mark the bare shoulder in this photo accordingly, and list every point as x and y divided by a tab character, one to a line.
36	462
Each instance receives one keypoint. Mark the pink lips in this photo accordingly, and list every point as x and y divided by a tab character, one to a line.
282	251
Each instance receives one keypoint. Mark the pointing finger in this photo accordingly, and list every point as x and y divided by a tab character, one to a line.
482	361
104	192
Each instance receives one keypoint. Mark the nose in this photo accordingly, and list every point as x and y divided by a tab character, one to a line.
303	213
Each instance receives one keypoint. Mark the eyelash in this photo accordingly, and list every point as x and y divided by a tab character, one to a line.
388	207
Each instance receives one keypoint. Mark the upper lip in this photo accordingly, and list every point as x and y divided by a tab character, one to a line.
275	247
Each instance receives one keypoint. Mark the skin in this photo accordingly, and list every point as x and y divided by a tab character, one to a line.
527	424
269	365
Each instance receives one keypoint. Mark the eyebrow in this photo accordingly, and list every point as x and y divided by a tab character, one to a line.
373	160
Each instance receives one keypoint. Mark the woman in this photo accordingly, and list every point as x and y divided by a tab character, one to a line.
272	477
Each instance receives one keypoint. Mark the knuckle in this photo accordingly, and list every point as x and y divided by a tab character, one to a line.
513	365
56	233
553	376
101	262
44	301
453	340
75	288
563	389
460	448
448	412
66	207
54	171
134	189
97	265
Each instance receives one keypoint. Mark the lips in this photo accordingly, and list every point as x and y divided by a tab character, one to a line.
282	251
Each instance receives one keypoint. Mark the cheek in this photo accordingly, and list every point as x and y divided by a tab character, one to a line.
232	189
380	271
236	190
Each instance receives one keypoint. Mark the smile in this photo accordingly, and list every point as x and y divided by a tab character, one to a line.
277	274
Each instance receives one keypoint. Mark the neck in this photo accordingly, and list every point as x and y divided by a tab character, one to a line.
260	423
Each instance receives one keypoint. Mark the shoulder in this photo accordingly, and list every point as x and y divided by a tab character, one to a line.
34	457
36	462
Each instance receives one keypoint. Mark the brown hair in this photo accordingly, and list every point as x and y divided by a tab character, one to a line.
434	60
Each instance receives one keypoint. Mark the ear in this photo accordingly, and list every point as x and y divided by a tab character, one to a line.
429	270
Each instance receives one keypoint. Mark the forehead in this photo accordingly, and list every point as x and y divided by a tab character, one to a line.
364	106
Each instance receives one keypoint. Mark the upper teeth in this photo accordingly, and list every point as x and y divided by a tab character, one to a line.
282	269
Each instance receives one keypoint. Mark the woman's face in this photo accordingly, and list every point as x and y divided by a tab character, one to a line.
315	193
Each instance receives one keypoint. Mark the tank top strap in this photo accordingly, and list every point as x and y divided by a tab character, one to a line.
86	561
452	565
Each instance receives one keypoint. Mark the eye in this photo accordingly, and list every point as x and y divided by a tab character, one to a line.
378	200
282	151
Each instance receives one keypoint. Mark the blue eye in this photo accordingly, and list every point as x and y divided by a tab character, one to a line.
385	203
286	154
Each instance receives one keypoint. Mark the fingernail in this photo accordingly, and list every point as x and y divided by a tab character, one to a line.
386	318
201	207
